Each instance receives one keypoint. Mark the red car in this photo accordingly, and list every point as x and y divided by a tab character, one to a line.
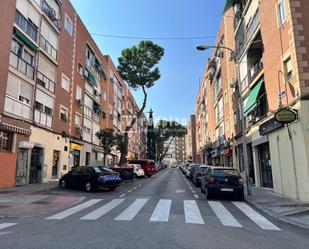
148	166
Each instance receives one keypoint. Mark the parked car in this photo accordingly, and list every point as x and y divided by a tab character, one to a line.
191	169
220	181
160	166
90	178
198	174
147	165
138	170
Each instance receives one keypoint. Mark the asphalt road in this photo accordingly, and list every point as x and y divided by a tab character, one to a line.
164	212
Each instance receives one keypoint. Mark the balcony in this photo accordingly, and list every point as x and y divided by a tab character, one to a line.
51	13
43	118
252	25
17	107
45	82
26	25
255	69
88	111
21	65
48	48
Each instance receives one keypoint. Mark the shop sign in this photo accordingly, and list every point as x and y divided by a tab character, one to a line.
26	145
285	116
74	146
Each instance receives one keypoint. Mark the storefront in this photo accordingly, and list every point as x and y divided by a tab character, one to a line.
75	154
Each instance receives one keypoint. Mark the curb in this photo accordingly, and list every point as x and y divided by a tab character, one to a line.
276	216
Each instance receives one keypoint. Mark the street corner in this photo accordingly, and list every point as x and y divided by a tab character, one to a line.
31	206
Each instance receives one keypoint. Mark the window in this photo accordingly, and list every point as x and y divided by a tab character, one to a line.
78	120
68	25
89	57
288	68
282	12
78	93
63	114
80	69
65	83
6	139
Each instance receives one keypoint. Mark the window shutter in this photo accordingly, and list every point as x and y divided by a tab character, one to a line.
33	15
44	99
22	7
12	86
26	90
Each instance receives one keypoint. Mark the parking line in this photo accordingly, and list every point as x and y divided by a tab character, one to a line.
123	195
73	210
129	190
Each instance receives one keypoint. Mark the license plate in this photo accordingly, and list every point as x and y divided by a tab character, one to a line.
227	189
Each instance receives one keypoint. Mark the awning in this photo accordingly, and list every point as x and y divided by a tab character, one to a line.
98	65
97	107
27	42
91	78
250	101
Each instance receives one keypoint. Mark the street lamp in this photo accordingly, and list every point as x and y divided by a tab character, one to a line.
244	144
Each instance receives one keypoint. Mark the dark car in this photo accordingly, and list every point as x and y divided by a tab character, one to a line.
191	170
90	178
198	174
225	182
148	166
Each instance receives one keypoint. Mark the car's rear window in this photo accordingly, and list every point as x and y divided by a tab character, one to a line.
225	172
202	169
100	169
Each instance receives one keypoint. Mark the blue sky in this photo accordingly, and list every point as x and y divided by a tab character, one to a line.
173	95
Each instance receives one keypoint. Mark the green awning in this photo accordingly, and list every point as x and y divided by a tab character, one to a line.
22	37
91	78
97	107
250	101
229	4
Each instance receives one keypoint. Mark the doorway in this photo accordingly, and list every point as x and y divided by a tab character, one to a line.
35	175
56	161
22	167
265	165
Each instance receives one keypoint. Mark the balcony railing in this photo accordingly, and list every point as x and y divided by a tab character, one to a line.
43	118
88	111
45	82
17	107
50	12
243	84
48	48
253	24
254	70
21	65
26	25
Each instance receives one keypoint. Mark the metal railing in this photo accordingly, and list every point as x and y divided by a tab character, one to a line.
50	12
43	118
17	107
45	82
48	48
21	65
88	111
254	70
26	26
252	25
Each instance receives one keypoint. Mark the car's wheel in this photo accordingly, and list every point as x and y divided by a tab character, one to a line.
112	188
63	183
149	176
88	186
135	175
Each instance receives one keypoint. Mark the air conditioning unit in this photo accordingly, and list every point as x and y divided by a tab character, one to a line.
80	102
85	73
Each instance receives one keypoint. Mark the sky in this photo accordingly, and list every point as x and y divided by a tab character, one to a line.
173	95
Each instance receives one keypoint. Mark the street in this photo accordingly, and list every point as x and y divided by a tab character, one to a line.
164	211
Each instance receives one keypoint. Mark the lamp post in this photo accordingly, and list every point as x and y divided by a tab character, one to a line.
243	122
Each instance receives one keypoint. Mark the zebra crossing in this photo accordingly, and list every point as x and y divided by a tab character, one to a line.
6	225
162	212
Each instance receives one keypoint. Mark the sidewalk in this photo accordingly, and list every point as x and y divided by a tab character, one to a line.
33	200
280	207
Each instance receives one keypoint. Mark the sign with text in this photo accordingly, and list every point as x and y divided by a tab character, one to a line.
285	116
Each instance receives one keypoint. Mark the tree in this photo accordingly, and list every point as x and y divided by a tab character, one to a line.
121	145
137	66
108	139
167	132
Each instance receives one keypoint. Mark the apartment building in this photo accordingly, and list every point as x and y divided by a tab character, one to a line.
190	139
180	149
57	90
269	38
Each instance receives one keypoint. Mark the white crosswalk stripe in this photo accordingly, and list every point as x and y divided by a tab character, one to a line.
102	210
225	217
132	210
192	212
6	225
73	210
256	217
162	211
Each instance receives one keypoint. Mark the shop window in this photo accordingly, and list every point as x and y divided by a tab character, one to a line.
6	141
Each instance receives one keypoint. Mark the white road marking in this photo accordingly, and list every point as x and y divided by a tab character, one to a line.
129	191
123	195
225	217
139	185
180	191
102	210
196	196
132	210
73	210
256	217
6	225
135	188
192	212
162	211
193	191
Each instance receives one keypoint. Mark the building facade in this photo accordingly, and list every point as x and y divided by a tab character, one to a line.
270	41
57	91
190	139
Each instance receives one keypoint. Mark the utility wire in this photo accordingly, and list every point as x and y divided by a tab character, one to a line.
154	38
